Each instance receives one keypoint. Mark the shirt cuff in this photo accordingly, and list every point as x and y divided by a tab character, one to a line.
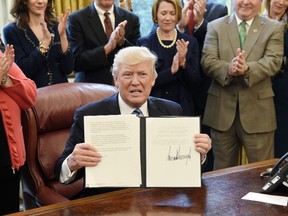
204	160
177	27
198	26
66	176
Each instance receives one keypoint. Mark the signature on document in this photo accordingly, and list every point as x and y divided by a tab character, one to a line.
178	155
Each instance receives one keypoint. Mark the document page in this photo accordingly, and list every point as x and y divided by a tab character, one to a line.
172	160
116	137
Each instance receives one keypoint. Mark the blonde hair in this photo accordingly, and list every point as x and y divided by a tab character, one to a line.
176	3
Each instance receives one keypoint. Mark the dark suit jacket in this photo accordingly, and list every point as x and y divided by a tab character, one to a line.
34	65
280	88
88	38
109	106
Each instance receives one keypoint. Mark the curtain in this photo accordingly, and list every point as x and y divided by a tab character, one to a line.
62	5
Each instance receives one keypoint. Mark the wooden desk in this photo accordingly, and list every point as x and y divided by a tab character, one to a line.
220	194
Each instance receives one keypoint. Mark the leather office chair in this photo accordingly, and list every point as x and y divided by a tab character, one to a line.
46	127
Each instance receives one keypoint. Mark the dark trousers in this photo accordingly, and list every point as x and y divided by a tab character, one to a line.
9	187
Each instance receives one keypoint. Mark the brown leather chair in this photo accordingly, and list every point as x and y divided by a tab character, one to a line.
46	128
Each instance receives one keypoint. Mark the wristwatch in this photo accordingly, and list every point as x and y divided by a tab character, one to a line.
247	70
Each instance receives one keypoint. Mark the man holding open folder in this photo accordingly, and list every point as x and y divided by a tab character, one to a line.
134	74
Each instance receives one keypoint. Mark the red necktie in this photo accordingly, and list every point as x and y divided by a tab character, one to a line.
191	21
108	25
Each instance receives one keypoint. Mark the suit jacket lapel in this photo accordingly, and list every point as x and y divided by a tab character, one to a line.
153	109
113	108
233	34
96	24
254	32
119	17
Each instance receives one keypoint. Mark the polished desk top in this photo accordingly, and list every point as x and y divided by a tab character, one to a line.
220	194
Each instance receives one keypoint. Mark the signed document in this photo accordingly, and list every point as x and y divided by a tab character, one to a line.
143	152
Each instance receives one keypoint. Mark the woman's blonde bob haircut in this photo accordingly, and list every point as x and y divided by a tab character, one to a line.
176	4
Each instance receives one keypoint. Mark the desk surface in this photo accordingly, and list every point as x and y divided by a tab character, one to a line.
220	194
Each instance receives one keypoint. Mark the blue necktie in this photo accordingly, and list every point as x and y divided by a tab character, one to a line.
137	112
243	33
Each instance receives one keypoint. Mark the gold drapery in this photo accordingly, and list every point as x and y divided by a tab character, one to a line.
61	5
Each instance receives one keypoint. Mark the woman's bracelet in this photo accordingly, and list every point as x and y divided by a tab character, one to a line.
42	49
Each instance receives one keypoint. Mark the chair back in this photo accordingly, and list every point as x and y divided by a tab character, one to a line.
46	128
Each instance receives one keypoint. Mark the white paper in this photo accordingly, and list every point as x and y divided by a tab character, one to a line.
170	147
117	139
171	158
272	199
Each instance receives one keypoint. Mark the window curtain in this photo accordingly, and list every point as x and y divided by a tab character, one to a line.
62	5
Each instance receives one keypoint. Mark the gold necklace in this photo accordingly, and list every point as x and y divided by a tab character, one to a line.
162	44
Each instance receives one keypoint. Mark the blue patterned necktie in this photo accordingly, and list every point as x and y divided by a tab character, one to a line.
243	33
137	112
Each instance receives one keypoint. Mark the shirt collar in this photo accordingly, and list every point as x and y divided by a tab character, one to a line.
125	109
100	11
248	22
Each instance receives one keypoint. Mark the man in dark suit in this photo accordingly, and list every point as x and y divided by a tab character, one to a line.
240	109
94	52
134	74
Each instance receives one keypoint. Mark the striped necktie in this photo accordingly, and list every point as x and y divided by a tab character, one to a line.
137	112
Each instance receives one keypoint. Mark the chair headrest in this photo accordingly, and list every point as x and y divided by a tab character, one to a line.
55	105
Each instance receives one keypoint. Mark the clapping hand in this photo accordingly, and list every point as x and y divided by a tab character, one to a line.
6	61
63	23
46	34
116	37
238	64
